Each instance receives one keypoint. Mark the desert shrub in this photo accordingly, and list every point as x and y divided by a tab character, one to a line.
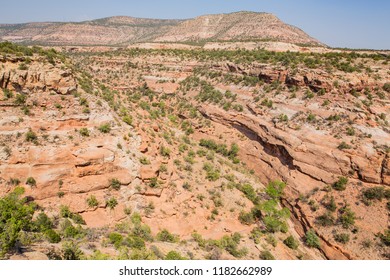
77	218
331	204
311	239
112	203
15	216
143	231
246	218
92	201
84	132
99	256
291	242
115	184
343	145
376	193
134	242
164	151
115	239
340	184
127	119
212	174
65	211
69	231
347	217
230	244
31	182
70	251
325	220
7	93
31	136
274	224
144	161
173	255
52	236
105	128
165	236
221	148
14	181
342	238
20	99
154	182
386	87
249	192
385	237
43	222
275	189
266	255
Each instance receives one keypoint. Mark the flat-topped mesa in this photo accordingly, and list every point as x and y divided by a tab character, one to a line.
123	30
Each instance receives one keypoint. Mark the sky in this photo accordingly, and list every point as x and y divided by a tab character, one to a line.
361	24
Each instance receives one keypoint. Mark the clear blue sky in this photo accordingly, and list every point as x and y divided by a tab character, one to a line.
338	23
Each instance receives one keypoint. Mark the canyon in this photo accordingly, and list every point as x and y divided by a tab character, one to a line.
168	149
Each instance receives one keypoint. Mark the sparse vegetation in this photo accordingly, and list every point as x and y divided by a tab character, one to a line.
341	184
311	239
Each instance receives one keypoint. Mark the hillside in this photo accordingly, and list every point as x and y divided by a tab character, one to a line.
121	31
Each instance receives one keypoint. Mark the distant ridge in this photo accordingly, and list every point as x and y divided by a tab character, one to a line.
124	30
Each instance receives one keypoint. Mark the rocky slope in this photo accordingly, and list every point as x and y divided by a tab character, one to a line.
145	142
126	30
308	119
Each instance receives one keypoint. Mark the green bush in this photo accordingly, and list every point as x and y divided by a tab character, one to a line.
31	182
134	242
340	184
43	222
221	149
266	255
386	87
128	119
115	239
274	224
105	128
385	237
15	216
211	173
70	251
92	201
325	220
376	193
65	211
52	236
164	151
246	218
69	231
311	239
112	203
115	184
343	145
31	136
77	218
84	132
342	238
166	236
291	242
249	192
275	189
7	93
347	217
173	255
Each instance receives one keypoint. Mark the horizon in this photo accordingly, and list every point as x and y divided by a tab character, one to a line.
349	24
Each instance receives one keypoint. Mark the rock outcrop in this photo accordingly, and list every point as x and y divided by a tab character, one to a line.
36	76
